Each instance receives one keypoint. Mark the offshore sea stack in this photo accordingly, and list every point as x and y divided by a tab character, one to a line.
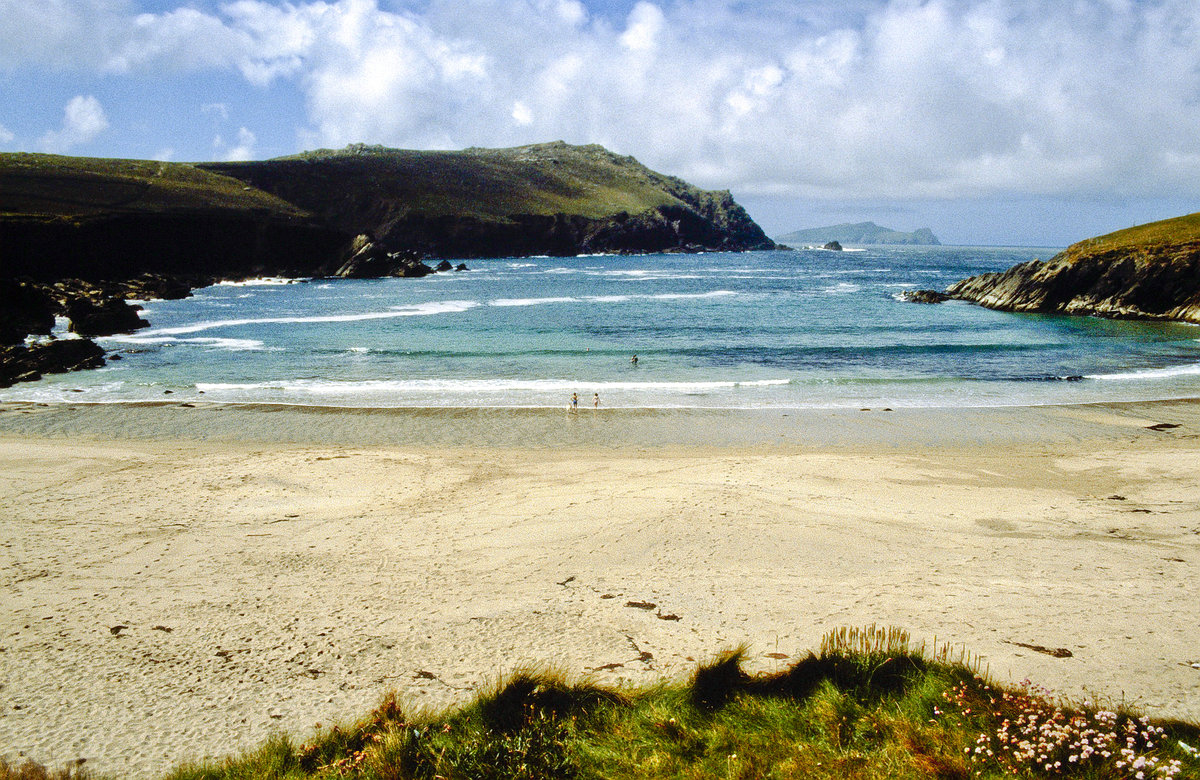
1147	272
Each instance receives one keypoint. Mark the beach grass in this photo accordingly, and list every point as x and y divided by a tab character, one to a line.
869	704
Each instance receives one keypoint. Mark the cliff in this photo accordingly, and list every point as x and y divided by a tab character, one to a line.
861	233
554	199
1146	272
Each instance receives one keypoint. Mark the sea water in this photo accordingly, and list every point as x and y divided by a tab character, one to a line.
783	329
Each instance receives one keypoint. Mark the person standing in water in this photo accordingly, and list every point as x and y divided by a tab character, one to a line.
596	400
633	360
574	403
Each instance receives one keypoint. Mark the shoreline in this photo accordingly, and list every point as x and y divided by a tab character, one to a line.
610	428
185	581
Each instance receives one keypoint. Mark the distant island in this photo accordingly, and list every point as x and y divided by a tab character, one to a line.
1150	272
80	236
860	233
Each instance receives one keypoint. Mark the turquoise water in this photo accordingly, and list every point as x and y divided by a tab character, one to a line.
767	329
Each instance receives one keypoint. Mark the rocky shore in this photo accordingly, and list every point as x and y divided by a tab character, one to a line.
83	237
1149	272
1148	285
30	309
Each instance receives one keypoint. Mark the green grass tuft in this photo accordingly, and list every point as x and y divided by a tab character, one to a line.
869	705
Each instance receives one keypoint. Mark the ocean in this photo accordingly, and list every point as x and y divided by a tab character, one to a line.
784	329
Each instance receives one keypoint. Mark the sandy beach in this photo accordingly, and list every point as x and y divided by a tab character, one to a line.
181	581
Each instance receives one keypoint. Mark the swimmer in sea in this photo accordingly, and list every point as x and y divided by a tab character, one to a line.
633	360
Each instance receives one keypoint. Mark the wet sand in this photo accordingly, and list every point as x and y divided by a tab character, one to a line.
181	581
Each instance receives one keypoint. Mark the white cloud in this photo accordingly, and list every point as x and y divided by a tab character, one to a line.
6	135
825	99
242	150
646	23
83	120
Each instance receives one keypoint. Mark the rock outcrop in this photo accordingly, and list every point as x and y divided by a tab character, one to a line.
25	309
372	261
103	316
924	296
20	363
1150	272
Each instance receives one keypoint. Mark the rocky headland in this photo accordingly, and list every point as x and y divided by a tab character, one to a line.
1147	272
81	237
544	199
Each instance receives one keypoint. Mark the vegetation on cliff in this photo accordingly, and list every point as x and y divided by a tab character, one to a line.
109	220
55	186
1150	271
551	198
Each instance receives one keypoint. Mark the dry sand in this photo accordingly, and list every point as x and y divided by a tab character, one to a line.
179	583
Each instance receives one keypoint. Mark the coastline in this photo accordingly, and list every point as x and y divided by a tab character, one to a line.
305	559
607	428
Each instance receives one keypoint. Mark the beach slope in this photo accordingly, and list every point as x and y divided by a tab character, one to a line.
179	583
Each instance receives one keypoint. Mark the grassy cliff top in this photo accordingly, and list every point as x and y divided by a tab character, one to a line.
490	184
1154	238
50	185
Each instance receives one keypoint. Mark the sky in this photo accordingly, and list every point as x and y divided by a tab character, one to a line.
1010	122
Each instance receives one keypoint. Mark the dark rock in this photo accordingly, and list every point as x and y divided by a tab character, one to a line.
27	364
445	265
409	266
160	287
373	261
834	246
461	267
924	296
25	309
103	317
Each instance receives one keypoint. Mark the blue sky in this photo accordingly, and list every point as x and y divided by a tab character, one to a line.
1034	122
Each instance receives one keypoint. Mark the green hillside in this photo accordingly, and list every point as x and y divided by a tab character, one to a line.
48	185
487	184
1153	237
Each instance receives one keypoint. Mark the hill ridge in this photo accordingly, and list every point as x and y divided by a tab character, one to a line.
861	233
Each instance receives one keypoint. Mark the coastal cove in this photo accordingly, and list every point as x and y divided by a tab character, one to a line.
781	329
184	581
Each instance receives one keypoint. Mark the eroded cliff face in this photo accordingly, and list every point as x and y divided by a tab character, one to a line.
1151	282
663	229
